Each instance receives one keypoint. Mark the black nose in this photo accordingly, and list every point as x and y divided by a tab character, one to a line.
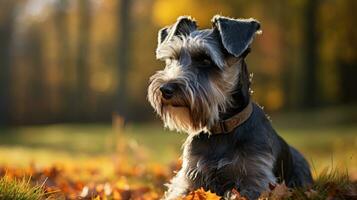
168	90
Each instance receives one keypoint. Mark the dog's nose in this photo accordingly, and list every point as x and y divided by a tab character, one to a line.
168	90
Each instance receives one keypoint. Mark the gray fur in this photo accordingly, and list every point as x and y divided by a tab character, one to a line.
211	82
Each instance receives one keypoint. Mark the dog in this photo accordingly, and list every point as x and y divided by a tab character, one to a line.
204	90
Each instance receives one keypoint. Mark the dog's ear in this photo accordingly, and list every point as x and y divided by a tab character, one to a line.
183	26
236	34
163	34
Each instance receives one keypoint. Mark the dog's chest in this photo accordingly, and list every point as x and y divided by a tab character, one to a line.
212	164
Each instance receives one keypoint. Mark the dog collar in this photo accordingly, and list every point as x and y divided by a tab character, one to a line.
228	125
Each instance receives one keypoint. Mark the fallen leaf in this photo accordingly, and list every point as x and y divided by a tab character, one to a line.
280	192
201	194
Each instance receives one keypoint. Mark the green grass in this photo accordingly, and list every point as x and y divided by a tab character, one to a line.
331	180
41	143
329	184
322	142
20	189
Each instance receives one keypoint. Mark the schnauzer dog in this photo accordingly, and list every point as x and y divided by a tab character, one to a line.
204	90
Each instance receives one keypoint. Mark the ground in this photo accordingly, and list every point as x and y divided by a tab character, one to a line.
134	162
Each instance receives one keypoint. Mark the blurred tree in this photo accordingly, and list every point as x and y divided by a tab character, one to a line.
37	90
310	90
285	16
83	66
346	50
338	51
284	24
63	58
7	18
124	49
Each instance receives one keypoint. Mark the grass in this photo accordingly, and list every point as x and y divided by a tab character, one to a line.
326	137
23	144
322	146
329	184
20	189
331	180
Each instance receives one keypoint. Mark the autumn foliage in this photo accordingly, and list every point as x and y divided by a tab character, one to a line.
147	183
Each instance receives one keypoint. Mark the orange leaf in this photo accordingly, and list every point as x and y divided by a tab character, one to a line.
201	194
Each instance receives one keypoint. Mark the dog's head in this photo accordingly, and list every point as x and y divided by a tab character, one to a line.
202	70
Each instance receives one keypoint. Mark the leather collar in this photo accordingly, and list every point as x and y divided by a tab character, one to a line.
228	125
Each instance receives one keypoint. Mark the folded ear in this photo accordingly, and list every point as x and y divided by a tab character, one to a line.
183	26
236	34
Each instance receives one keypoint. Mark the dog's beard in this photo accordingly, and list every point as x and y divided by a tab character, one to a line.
188	114
182	114
178	118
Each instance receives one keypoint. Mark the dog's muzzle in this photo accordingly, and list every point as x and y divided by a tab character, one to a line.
168	90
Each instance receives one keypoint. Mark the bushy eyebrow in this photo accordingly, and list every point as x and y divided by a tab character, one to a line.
195	45
169	50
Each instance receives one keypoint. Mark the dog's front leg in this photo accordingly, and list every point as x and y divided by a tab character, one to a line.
252	187
177	187
258	175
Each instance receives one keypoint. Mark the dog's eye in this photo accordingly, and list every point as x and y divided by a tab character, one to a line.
207	61
203	60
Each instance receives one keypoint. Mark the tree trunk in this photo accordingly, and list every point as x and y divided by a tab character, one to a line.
348	81
6	32
37	87
124	26
62	36
309	79
82	60
286	69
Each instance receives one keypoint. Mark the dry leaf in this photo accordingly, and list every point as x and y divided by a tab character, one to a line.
280	192
201	194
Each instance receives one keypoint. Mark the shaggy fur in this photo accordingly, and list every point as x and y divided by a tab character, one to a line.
206	80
